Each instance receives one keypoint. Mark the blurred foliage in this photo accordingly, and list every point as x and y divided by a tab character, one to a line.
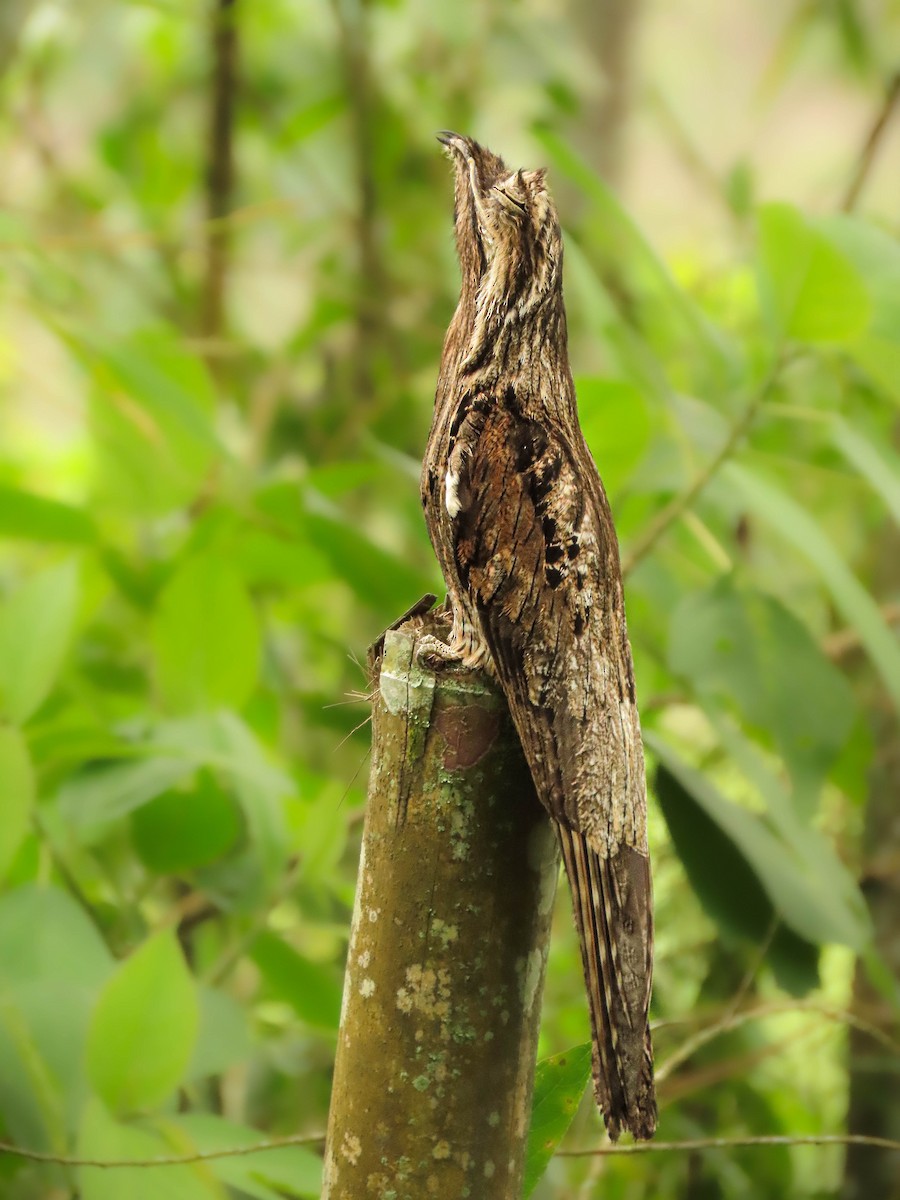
203	525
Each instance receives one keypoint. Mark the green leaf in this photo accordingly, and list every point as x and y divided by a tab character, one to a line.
54	965
223	741
97	796
268	1175
308	119
876	256
313	991
206	637
223	1038
810	289
32	1107
818	864
35	629
45	935
17	791
746	647
881	472
852	600
319	827
384	581
616	425
143	1027
740	869
191	827
37	519
559	1084
150	419
103	1137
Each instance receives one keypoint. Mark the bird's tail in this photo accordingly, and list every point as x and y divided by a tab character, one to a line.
612	905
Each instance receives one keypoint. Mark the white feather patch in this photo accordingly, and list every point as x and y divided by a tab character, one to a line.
451	493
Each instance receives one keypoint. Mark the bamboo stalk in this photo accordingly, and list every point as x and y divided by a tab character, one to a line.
442	995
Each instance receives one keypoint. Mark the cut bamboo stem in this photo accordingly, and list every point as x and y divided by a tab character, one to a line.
442	994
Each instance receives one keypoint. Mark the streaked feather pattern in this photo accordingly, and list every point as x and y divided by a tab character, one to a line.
523	531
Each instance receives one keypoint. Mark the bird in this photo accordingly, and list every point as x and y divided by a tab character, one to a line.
522	529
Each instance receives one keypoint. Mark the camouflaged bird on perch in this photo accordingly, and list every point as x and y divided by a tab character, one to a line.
522	528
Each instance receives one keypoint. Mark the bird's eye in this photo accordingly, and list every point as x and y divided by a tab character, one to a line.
507	199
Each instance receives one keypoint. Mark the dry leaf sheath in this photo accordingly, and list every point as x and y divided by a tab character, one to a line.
522	528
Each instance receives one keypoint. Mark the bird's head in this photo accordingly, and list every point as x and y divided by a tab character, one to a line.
507	229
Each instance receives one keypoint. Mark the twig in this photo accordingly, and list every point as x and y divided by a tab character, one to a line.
731	1143
725	1143
686	149
679	505
734	1021
173	1160
220	164
747	982
872	145
352	21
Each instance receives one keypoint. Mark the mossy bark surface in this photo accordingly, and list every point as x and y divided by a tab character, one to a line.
438	1037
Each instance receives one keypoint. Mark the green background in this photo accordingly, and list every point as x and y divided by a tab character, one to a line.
215	389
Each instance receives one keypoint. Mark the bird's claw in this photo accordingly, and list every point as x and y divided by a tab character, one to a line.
435	655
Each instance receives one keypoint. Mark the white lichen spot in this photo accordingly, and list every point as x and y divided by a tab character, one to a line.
441	1150
365	958
367	988
351	1148
404	1000
432	1185
374	914
489	1169
493	1119
446	933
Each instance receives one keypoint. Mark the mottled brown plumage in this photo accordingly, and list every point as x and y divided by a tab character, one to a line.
522	528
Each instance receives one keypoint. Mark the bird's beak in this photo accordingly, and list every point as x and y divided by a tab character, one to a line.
454	141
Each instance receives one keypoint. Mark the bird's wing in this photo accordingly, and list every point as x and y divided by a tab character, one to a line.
536	551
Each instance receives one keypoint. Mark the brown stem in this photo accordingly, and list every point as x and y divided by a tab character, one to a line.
353	28
220	165
872	145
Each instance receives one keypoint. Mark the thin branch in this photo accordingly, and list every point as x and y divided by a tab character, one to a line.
725	1143
759	955
680	504
352	18
88	239
732	1143
690	154
734	1021
872	145
220	164
173	1160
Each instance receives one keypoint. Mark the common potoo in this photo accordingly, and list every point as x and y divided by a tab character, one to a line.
523	532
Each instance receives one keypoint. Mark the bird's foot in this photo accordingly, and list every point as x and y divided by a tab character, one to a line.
436	655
